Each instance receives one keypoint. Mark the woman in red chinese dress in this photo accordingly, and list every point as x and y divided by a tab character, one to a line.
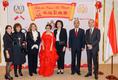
47	55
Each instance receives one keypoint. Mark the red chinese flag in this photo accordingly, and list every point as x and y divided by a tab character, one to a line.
97	19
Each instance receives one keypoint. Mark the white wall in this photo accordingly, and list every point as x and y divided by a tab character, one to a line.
3	22
7	17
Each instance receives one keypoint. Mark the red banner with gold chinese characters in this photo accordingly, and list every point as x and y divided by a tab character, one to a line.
51	10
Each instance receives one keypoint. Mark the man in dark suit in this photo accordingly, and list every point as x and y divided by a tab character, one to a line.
92	45
76	44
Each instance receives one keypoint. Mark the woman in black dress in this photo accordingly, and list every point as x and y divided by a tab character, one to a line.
18	49
8	54
33	42
61	43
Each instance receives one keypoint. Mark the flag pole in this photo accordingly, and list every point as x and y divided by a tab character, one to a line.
112	65
0	49
99	72
112	77
104	12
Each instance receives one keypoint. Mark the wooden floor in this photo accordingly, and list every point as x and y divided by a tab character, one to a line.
66	76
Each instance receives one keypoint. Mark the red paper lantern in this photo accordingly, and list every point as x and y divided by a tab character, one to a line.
98	5
5	3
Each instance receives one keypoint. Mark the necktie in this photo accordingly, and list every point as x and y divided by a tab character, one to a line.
76	32
90	34
91	31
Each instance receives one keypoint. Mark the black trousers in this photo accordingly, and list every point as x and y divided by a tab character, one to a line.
76	61
92	56
61	54
33	61
16	67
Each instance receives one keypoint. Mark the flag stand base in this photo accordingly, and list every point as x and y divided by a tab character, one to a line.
111	77
100	73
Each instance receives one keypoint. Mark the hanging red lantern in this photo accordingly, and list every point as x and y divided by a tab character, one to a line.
5	3
98	5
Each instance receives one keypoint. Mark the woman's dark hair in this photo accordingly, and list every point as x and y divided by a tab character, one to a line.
17	25
7	26
49	26
60	22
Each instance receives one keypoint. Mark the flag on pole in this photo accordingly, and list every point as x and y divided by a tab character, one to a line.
97	19
111	45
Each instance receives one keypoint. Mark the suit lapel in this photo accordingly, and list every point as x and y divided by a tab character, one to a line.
31	35
74	32
55	32
78	32
60	33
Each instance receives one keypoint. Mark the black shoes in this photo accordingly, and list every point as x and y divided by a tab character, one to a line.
78	73
60	72
75	72
88	74
35	72
8	77
96	77
31	74
72	73
20	74
16	75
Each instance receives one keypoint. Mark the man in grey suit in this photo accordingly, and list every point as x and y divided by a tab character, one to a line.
92	44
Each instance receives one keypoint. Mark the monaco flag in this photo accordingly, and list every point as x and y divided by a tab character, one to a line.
111	45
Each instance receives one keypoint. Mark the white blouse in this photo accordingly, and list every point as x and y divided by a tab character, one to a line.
58	33
35	35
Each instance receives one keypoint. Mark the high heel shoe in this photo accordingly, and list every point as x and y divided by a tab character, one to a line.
31	74
11	78
58	71
62	72
20	74
35	72
8	77
16	75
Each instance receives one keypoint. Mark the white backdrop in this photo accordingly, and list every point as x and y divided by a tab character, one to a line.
8	16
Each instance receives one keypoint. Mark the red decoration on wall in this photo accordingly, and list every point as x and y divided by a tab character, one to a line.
5	3
98	5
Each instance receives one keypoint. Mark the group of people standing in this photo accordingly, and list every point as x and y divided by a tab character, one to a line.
14	49
52	47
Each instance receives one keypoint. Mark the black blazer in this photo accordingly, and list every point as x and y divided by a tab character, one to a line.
18	48
30	41
62	36
8	41
95	39
77	42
